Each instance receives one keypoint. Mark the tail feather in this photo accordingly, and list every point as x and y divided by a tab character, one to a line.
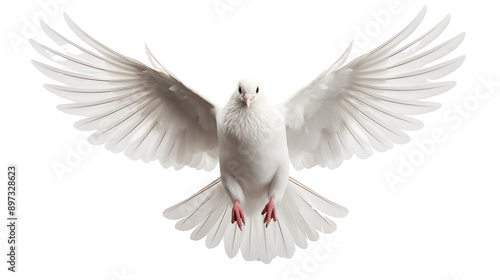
185	207
296	230
203	228
318	201
299	218
216	234
304	227
232	240
200	213
285	246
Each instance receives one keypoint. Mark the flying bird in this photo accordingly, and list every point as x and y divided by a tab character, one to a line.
352	108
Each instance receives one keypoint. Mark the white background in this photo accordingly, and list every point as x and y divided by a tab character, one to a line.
103	219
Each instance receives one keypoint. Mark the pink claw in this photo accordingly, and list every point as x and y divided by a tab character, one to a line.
270	211
237	214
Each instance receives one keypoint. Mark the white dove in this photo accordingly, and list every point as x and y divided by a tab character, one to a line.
352	108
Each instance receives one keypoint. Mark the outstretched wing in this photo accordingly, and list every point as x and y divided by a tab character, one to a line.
365	105
149	114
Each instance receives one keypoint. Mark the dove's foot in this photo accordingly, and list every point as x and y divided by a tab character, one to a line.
237	215
270	211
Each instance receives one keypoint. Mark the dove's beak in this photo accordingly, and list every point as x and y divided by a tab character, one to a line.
248	99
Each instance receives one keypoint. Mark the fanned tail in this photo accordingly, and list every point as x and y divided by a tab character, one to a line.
302	214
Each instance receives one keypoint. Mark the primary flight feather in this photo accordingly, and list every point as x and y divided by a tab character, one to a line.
255	206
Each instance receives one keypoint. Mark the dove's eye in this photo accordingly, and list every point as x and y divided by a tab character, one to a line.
257	91
239	89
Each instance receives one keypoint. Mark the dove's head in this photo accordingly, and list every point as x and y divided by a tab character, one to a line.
248	89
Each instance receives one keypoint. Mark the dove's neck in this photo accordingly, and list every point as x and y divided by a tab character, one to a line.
251	125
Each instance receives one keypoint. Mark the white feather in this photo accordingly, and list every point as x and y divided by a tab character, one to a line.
300	217
349	109
147	113
366	103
